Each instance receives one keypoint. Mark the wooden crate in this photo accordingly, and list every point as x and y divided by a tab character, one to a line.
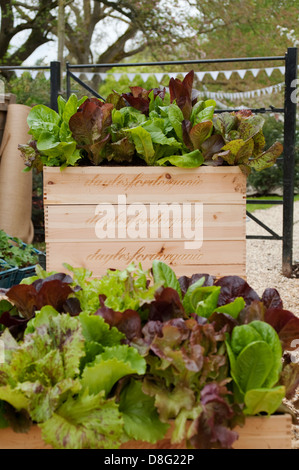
212	200
273	432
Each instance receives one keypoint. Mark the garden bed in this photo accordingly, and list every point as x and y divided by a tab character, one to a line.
92	216
272	432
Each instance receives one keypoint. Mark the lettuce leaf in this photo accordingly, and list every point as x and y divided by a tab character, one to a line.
141	419
164	274
52	142
255	355
264	400
111	365
84	422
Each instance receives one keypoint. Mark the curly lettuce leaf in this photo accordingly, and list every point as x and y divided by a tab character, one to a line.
141	419
95	329
110	366
84	422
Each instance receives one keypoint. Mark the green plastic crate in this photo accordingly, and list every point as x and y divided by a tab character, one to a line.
8	276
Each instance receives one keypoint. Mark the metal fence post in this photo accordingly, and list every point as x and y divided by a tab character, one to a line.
68	81
291	61
55	75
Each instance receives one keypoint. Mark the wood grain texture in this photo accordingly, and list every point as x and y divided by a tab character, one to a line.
108	217
98	257
93	185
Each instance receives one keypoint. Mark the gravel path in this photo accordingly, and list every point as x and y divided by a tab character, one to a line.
264	257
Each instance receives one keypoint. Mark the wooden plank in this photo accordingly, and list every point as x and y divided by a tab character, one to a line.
98	257
259	432
262	432
30	440
94	185
81	222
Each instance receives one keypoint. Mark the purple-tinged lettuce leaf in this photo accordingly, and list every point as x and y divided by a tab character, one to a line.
29	298
139	98
120	151
223	322
259	143
169	402
185	128
167	305
90	128
200	132
212	146
18	421
14	323
181	93
186	282
127	322
44	366
224	123
254	311
31	156
84	422
250	125
285	323
267	158
230	151
213	428
116	99
271	298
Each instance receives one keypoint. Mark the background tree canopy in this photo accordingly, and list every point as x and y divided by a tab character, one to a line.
110	31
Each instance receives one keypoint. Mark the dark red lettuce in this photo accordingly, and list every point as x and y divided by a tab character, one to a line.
233	287
286	324
181	92
27	299
167	305
128	322
213	427
90	127
139	98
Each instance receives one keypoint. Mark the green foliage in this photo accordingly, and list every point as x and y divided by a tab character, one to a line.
190	351
255	359
15	252
28	90
124	82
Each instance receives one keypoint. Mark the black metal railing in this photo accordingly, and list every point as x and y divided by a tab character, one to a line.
289	110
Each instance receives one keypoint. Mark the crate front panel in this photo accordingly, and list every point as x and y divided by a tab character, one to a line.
75	197
95	185
225	258
100	223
